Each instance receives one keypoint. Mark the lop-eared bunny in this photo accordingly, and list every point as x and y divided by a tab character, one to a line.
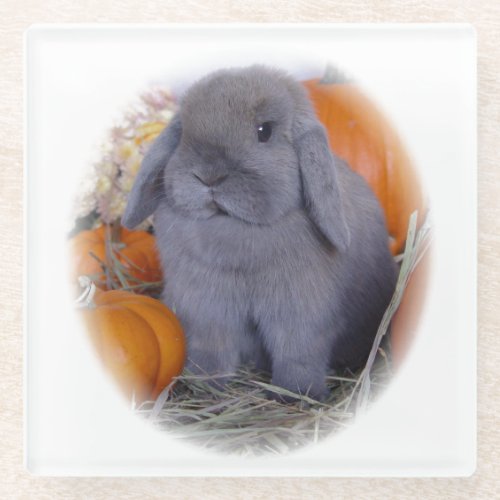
273	250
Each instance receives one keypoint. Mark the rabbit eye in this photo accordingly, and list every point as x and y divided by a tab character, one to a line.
264	131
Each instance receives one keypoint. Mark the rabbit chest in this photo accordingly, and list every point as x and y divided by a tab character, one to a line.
232	273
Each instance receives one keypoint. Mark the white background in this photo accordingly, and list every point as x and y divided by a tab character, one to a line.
80	81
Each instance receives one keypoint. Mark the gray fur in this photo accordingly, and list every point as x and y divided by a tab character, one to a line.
275	253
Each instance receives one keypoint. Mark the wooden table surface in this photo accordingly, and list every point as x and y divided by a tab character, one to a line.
16	16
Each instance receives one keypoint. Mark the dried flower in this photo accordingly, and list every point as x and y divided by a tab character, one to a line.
106	187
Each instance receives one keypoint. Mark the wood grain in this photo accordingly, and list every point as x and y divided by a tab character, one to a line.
16	16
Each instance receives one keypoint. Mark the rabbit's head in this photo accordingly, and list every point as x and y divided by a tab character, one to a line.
246	145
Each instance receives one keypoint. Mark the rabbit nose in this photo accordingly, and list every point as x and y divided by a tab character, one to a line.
210	180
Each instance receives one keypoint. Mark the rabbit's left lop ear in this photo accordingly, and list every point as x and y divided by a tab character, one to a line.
321	193
147	189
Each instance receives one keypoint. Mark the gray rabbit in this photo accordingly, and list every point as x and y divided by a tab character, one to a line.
274	251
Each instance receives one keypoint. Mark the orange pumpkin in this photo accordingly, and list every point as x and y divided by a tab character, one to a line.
135	250
359	134
138	339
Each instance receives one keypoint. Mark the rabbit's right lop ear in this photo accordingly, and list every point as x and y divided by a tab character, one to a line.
322	196
147	190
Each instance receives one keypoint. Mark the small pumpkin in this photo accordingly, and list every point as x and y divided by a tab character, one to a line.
139	340
359	133
135	250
